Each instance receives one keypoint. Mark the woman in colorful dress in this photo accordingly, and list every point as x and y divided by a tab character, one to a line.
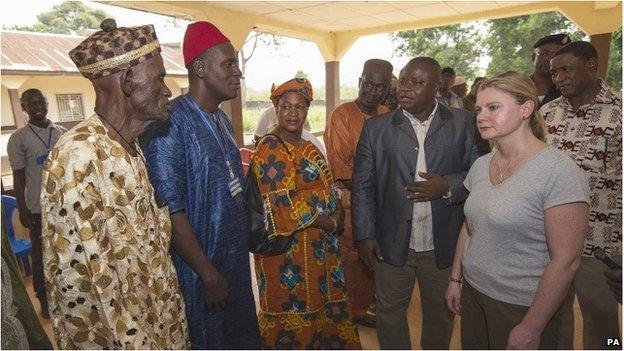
303	301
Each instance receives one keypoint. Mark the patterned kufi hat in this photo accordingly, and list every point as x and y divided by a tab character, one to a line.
113	49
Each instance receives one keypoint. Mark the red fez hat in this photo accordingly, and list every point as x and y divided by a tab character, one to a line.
199	37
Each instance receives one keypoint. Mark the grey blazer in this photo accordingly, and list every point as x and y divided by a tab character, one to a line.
385	163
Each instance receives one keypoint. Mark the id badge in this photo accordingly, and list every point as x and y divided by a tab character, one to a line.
235	187
41	159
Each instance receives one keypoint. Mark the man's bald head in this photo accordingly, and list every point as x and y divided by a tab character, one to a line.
419	81
426	63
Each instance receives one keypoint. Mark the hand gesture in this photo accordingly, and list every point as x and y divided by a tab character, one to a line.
433	187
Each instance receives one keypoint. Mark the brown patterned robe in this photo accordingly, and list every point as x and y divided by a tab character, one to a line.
109	277
592	136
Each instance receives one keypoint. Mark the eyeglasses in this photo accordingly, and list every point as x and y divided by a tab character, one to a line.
287	108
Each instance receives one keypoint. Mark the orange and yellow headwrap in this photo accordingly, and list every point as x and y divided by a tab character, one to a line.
297	85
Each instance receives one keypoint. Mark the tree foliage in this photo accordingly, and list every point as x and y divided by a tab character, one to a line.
458	46
69	17
510	40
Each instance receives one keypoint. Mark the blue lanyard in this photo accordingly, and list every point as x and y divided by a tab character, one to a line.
47	146
219	138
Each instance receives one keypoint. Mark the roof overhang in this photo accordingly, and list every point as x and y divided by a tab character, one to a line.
335	25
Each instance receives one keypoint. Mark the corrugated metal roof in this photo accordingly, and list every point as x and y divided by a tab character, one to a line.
44	52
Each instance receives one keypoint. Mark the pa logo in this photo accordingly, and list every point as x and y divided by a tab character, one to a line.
612	342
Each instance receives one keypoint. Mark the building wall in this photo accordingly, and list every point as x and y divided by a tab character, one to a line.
52	85
5	104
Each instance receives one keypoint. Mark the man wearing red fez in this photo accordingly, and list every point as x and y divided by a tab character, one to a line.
195	166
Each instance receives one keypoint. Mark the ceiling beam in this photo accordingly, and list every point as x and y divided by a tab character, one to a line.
593	17
527	9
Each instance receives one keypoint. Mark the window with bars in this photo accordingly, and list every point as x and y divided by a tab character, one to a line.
70	107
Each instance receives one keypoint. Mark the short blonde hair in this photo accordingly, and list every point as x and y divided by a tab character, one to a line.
522	88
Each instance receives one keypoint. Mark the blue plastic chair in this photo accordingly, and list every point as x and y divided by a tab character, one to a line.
21	247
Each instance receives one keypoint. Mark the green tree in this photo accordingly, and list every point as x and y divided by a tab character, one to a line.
510	40
459	46
614	72
248	49
70	17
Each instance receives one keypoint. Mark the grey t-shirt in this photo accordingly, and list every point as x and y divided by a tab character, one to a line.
28	148
506	254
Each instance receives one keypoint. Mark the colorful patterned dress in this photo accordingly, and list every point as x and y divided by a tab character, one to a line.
303	301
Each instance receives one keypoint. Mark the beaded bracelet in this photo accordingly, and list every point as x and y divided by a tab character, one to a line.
451	279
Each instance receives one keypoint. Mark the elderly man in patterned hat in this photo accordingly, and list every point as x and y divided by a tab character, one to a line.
195	165
110	280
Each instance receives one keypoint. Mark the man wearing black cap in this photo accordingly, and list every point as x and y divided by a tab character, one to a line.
110	280
543	50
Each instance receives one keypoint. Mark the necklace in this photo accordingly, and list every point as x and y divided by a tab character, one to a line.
118	133
501	172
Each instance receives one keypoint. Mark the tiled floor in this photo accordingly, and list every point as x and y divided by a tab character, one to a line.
368	336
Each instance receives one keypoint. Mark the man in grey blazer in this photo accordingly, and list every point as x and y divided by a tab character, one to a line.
407	200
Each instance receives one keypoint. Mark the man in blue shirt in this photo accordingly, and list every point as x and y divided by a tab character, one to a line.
195	166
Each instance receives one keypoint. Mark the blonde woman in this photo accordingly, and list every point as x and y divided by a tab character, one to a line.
526	217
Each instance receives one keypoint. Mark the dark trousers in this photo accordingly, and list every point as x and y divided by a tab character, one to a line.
598	307
394	292
486	323
36	254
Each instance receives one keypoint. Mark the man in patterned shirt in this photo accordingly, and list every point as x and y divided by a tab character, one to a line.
586	122
110	280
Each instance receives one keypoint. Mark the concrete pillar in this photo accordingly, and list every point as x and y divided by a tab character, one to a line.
234	109
19	116
602	42
332	87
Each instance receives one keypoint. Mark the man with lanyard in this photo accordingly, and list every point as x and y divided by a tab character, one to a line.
543	50
341	138
28	149
194	165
